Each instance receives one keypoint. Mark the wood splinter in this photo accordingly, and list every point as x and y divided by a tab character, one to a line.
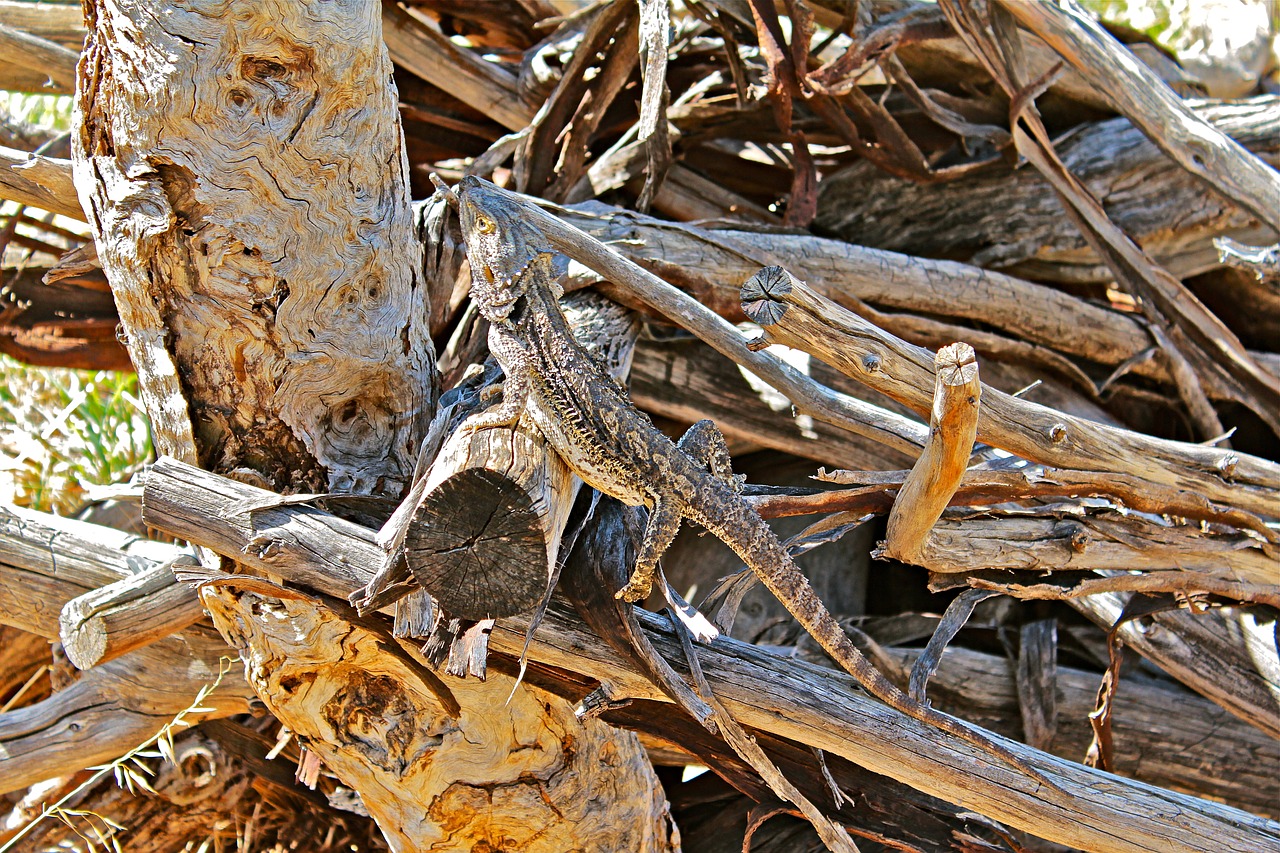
953	426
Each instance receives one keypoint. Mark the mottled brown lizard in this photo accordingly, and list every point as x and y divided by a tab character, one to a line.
588	419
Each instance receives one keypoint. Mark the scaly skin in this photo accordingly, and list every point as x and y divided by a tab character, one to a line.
588	419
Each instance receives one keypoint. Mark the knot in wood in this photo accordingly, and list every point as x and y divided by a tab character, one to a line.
1227	465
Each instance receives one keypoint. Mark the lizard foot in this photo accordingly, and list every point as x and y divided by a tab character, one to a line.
483	422
635	590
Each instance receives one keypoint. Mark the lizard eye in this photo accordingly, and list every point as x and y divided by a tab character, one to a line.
484	224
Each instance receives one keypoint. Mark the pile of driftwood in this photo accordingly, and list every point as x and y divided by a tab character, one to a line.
855	185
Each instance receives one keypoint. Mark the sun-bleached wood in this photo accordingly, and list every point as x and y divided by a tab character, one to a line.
37	68
43	182
1105	540
953	423
117	618
709	264
279	281
114	707
1010	219
245	175
1140	95
1228	657
496	92
530	777
795	315
46	561
811	705
687	381
192	795
1160	728
40	57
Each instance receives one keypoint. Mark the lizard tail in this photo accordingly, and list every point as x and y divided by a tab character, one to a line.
757	545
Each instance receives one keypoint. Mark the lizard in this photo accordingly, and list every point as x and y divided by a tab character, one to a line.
588	418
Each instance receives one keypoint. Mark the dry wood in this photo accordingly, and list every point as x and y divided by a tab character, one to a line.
42	182
1041	329
953	423
687	381
25	664
1159	733
1037	678
68	323
940	57
440	775
574	108
269	261
256	260
994	487
192	797
794	314
38	57
709	264
1143	98
1200	350
496	92
46	560
1159	728
118	705
1075	538
1228	657
41	43
807	704
973	218
111	620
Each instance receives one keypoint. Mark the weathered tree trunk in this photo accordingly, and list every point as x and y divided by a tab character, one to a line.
245	178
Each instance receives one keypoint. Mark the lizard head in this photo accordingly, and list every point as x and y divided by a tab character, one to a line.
502	245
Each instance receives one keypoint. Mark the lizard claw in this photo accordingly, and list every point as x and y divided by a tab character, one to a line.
634	591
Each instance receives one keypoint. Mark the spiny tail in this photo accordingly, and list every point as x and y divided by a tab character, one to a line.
755	542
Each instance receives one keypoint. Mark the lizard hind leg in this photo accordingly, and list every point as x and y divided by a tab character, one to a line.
704	443
664	524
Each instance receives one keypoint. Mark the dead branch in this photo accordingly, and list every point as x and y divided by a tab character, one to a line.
806	704
115	619
1229	657
972	219
1144	99
793	314
953	423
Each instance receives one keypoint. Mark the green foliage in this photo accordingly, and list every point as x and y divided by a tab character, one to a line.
1174	24
47	111
65	431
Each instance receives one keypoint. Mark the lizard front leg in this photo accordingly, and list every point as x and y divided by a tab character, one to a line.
515	386
704	443
664	524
